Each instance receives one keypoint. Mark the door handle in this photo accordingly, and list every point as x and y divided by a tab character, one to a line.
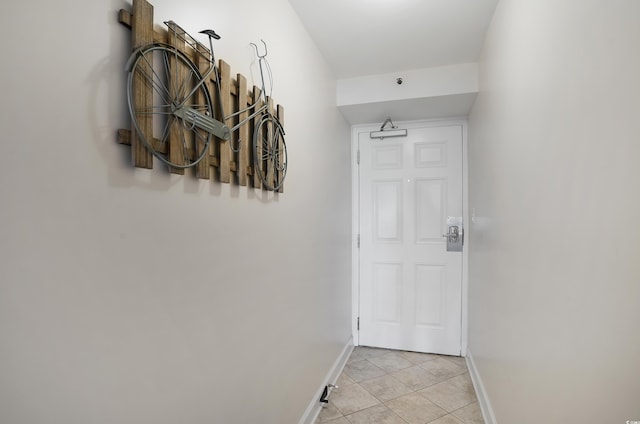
455	235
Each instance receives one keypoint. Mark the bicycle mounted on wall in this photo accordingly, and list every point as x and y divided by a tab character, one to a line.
170	103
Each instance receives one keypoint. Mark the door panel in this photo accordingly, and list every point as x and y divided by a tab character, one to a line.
431	200
387	211
410	286
430	295
387	293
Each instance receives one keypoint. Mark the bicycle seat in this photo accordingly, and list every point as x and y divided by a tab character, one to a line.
211	33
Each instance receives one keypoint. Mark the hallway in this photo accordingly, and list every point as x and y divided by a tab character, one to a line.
380	386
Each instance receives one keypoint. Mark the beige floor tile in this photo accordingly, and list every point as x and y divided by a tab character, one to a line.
416	409
418	358
464	379
344	380
391	361
447	419
470	414
417	378
362	370
443	368
352	399
375	415
451	394
341	420
458	360
328	413
385	388
363	352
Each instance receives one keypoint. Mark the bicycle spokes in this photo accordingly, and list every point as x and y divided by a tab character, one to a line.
169	117
270	153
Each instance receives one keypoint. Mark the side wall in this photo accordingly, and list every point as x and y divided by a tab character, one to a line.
555	195
133	296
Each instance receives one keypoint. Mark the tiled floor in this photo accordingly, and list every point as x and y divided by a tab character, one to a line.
380	386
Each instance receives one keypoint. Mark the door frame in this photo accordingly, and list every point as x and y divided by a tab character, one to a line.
355	222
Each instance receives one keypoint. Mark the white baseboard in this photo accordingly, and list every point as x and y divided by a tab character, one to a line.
483	398
314	408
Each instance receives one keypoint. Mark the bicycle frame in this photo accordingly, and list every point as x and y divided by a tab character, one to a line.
214	69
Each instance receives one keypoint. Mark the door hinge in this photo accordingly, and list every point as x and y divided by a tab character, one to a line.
358	241
358	324
358	157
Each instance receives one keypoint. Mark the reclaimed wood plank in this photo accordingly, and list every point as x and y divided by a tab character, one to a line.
124	137
124	17
225	146
141	35
243	132
271	161
180	139
256	148
281	174
203	168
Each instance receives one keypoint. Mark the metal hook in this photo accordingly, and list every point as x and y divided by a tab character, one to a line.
387	121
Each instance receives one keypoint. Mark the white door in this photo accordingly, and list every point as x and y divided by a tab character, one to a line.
410	285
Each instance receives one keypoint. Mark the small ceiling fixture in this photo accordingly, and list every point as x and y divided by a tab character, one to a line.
392	132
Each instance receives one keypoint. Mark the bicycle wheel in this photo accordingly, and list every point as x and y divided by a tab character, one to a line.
160	95
270	153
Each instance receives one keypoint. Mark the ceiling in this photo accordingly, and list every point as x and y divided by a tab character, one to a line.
371	37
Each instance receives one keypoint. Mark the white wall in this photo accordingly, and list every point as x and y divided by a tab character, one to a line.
555	183
439	92
419	83
135	296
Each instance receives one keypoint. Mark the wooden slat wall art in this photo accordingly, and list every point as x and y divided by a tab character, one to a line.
229	166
